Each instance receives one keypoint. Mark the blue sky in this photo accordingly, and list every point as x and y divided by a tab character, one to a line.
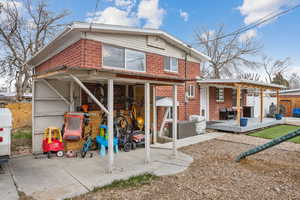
181	18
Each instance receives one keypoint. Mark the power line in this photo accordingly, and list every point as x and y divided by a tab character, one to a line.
96	9
257	23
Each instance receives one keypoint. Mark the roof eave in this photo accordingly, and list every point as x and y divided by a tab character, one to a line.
79	26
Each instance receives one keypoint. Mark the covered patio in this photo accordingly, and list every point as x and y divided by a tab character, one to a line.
226	104
59	91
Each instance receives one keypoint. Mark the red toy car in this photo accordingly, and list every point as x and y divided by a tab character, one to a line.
52	142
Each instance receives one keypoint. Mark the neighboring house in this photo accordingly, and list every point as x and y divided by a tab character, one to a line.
131	57
6	97
290	99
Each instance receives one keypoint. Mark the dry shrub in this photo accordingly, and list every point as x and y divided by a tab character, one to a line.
21	113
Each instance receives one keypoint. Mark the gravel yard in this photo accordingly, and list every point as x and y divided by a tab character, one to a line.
272	174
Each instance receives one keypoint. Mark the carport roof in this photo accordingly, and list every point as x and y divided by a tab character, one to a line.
242	83
89	74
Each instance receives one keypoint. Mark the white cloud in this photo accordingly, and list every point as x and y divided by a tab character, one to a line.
254	10
129	13
184	15
124	3
293	69
150	11
113	15
248	35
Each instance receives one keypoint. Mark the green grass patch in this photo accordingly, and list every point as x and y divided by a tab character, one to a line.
22	134
277	131
133	181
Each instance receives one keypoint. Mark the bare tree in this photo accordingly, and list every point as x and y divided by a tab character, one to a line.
294	81
24	29
274	67
250	76
229	55
279	79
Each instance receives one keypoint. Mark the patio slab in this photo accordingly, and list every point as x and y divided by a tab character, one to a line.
189	140
253	124
59	178
7	186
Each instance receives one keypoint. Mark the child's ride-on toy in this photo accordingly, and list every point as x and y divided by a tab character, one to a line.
102	141
73	126
52	142
87	146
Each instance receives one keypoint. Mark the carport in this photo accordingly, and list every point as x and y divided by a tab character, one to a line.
58	90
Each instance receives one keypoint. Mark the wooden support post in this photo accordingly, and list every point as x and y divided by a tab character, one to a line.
127	95
154	124
174	120
238	105
87	91
261	105
277	99
147	122
71	107
110	123
56	91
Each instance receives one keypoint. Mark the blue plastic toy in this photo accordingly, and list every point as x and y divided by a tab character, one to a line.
102	141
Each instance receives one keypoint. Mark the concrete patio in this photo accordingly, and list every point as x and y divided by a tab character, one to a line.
60	178
253	124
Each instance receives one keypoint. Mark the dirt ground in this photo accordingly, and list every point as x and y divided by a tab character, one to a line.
272	174
21	142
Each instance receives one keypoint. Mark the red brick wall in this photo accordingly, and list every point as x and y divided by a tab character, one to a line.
215	106
192	107
83	53
88	54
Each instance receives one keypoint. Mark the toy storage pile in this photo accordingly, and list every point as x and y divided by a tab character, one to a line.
85	129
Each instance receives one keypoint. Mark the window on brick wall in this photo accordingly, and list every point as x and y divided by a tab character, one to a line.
113	56
170	64
220	94
191	91
118	57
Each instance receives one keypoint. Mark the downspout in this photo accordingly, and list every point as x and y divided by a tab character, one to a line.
185	85
185	90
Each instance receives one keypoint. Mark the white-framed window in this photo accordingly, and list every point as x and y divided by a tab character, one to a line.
220	94
170	64
191	91
170	114
122	58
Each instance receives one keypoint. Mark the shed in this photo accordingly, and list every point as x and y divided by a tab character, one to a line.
290	99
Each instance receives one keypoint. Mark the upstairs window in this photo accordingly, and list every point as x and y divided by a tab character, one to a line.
220	94
122	58
135	60
191	91
170	64
113	56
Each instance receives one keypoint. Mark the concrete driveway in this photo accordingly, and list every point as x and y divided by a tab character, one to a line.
59	178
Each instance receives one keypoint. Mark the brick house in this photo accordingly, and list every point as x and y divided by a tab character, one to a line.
133	59
87	51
